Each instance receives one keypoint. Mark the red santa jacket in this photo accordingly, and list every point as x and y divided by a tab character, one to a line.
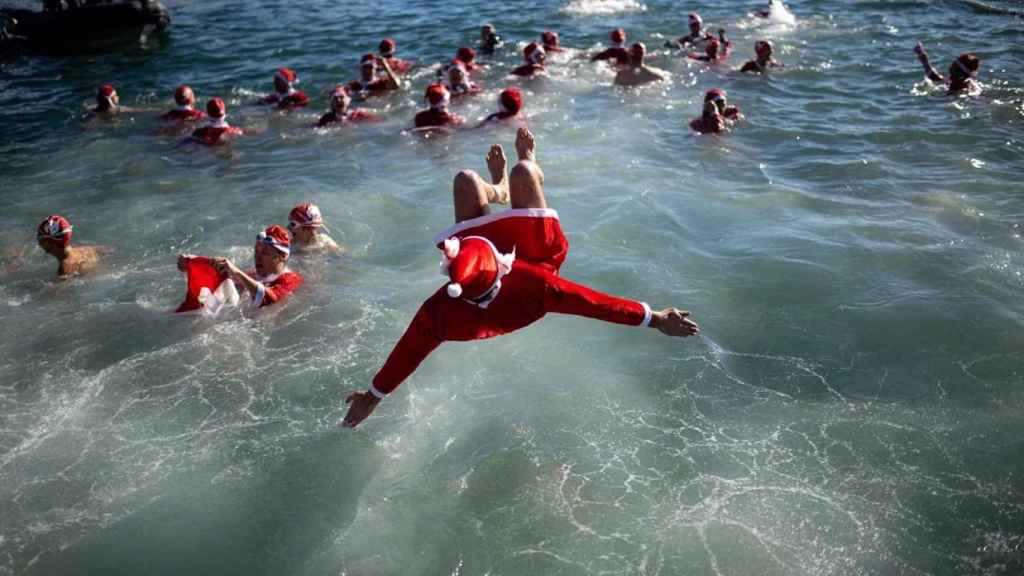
294	99
274	288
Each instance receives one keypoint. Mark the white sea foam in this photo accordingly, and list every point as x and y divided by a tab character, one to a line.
591	7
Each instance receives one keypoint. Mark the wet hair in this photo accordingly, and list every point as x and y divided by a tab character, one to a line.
965	66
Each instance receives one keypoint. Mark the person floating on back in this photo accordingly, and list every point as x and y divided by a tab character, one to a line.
387	54
438	115
309	233
342	111
184	110
637	73
501	274
763	61
963	72
54	236
717	114
217	129
617	51
535	57
285	96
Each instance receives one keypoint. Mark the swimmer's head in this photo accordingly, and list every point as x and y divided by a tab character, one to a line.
184	96
106	98
216	108
304	221
712	47
474	268
437	96
696	24
284	78
534	53
763	49
273	246
510	101
457	73
964	67
465	54
549	39
368	67
340	99
487	31
386	48
54	234
618	36
637	52
716	97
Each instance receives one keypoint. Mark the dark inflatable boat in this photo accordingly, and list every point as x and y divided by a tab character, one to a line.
81	25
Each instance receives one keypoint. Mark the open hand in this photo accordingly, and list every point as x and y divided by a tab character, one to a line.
919	49
361	405
674	322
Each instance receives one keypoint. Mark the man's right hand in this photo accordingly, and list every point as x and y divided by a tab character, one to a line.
361	405
919	50
674	322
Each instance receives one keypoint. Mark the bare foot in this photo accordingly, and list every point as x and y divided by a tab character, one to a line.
497	165
525	144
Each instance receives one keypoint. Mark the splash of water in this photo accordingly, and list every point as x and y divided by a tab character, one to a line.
603	6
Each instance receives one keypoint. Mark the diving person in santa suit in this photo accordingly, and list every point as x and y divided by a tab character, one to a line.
503	275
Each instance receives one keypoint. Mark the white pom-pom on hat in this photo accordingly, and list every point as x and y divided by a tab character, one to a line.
451	247
454	290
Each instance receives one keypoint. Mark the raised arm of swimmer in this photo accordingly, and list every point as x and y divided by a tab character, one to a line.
929	70
392	80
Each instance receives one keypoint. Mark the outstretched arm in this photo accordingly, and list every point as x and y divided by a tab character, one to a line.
391	78
929	70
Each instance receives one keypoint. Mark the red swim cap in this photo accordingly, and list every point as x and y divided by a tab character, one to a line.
106	91
466	54
618	36
55	227
511	100
286	75
387	47
215	108
437	95
276	237
184	95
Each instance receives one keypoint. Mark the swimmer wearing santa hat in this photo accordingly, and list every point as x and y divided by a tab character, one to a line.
386	49
717	114
369	84
696	37
510	106
217	129
54	236
108	104
467	56
342	111
285	96
502	273
459	84
309	233
184	111
438	115
269	282
715	50
617	52
637	73
763	60
535	57
549	40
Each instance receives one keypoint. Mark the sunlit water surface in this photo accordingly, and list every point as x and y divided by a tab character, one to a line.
854	404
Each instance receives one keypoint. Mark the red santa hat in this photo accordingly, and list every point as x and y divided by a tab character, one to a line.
55	227
387	47
618	36
474	268
184	96
278	238
215	108
549	38
534	53
695	18
105	95
510	101
437	96
763	48
340	92
368	61
714	94
286	75
306	215
465	54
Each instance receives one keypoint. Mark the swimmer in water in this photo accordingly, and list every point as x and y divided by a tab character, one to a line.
184	111
285	96
54	237
717	114
270	281
696	37
501	274
387	54
108	103
617	52
342	112
438	98
535	58
369	84
467	56
637	73
309	234
489	39
763	61
459	84
217	129
510	107
549	40
715	50
963	72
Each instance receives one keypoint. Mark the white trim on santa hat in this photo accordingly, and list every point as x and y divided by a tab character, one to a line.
494	217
